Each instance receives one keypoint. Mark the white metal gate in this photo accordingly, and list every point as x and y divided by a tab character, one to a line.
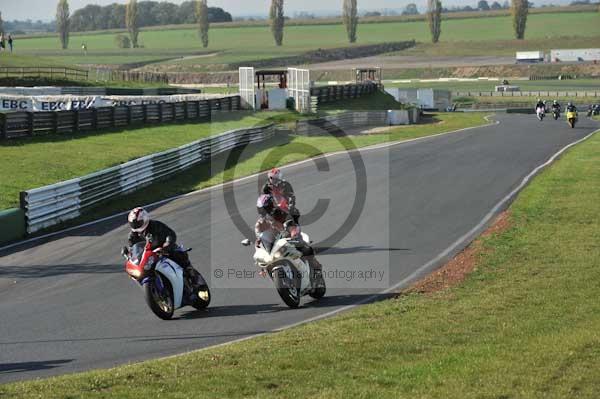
299	88
247	89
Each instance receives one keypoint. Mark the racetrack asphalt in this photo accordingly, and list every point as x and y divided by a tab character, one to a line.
66	304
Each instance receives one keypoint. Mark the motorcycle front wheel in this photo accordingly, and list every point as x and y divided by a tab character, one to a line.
160	300
288	287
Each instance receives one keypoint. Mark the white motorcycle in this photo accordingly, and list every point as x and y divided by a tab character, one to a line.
282	261
165	288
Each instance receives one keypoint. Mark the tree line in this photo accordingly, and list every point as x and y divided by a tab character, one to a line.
149	13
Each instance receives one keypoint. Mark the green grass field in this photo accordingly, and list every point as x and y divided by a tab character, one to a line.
252	43
523	325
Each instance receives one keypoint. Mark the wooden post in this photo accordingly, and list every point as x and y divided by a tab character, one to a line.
55	121
94	118
30	123
75	121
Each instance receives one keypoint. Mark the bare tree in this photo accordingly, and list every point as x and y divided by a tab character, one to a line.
62	22
519	10
350	17
277	21
131	21
434	18
202	18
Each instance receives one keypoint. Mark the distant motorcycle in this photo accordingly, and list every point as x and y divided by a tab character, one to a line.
572	118
556	114
165	287
541	113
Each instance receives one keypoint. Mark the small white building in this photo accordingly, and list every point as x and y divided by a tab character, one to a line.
575	55
425	98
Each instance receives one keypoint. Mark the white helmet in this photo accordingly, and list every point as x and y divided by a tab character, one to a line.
275	176
138	220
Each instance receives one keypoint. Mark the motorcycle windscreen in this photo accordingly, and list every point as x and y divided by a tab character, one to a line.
136	253
268	239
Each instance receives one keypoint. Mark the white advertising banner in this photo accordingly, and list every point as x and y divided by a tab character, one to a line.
12	103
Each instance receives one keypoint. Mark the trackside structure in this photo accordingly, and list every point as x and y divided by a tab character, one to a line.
289	83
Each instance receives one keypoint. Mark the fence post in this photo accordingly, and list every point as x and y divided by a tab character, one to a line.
55	121
2	126
185	110
129	115
112	117
145	113
30	123
76	124
94	118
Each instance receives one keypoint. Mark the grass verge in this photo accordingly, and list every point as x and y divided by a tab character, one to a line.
523	324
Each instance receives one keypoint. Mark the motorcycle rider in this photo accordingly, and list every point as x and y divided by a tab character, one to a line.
540	104
273	219
276	184
571	108
556	106
143	229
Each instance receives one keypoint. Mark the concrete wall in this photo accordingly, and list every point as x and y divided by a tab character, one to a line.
12	225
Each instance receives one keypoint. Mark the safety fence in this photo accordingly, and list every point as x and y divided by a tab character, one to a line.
14	125
41	72
50	205
526	94
325	94
346	123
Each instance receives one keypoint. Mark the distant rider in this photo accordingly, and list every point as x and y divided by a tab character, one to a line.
556	106
161	236
540	104
571	108
277	185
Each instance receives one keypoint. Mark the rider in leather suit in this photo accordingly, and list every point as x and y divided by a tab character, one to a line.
160	235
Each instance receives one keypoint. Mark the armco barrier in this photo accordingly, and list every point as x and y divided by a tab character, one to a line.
12	225
338	125
544	93
15	125
50	205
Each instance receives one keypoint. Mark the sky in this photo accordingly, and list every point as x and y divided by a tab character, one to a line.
45	9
